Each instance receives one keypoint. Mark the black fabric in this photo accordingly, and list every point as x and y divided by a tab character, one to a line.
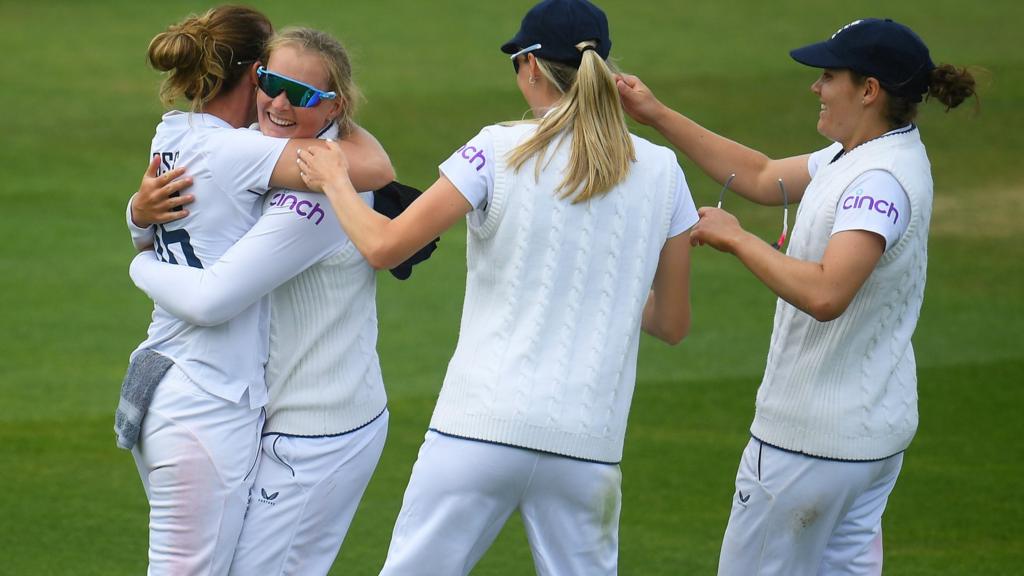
391	201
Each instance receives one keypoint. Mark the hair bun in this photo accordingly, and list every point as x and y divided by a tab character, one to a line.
951	85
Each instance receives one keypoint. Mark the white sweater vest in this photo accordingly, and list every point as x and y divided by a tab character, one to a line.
323	375
847	389
546	357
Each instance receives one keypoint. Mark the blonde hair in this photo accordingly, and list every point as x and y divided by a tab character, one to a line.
601	149
336	62
207	55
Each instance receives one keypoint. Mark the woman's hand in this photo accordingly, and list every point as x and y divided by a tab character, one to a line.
159	199
637	99
320	167
716	228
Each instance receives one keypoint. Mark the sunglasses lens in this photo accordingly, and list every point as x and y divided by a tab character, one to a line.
515	65
298	95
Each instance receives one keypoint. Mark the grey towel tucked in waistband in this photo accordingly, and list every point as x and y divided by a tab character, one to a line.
145	371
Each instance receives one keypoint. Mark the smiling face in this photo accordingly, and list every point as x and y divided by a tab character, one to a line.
839	116
277	117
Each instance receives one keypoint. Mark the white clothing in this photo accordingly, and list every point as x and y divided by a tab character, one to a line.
802	516
874	202
546	357
303	500
231	171
462	492
471	170
847	389
326	416
323	372
196	455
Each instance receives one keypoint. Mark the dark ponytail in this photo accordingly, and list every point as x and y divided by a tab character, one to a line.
951	85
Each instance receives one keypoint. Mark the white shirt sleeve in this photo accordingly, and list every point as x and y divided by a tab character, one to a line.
141	237
247	156
822	157
684	216
471	170
297	230
874	202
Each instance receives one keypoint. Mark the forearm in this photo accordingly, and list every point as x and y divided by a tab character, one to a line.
180	290
808	286
719	157
367	229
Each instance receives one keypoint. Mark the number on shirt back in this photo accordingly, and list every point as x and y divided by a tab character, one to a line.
165	238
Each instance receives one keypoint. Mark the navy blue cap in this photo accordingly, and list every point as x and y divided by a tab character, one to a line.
558	26
882	49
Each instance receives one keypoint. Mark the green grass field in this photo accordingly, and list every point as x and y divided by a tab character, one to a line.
80	105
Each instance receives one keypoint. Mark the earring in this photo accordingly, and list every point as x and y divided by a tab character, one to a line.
533	81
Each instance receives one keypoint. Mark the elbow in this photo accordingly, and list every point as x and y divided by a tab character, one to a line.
826	309
382	257
208	313
382	172
674	333
677	335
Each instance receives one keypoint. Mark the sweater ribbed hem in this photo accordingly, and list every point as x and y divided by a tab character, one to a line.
830	445
328	421
525	435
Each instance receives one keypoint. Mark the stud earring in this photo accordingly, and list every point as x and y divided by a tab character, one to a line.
533	81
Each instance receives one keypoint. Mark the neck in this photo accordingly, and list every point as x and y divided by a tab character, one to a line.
235	107
869	129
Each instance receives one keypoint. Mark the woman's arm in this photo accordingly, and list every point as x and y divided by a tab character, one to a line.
756	174
822	289
159	199
281	245
369	165
384	242
666	314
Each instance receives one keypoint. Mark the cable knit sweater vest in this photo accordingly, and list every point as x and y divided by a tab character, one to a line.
847	389
323	375
546	357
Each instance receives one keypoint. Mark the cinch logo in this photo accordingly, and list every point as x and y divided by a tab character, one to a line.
303	208
881	206
268	498
854	23
472	154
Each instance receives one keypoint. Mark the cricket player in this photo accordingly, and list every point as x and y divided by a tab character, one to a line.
837	405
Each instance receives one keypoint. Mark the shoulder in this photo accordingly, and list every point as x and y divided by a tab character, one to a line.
647	151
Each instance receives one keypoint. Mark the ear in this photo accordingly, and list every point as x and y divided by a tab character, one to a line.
337	106
252	73
531	61
871	91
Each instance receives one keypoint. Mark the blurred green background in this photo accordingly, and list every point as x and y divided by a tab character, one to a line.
80	106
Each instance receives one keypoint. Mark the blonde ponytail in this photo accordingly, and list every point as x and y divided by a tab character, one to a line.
601	149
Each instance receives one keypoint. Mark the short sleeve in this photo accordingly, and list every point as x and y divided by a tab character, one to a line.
874	202
243	160
822	157
471	170
684	215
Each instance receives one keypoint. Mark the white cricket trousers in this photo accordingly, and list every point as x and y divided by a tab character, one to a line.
302	503
196	455
462	491
796	515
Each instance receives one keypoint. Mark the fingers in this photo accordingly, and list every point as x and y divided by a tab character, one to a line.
171	175
154	164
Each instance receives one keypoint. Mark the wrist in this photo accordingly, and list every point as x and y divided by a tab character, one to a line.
740	240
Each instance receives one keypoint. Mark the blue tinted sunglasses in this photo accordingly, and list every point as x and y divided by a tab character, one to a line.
298	94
